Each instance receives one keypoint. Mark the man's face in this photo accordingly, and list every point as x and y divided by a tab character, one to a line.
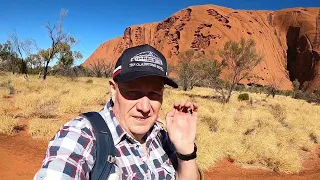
137	104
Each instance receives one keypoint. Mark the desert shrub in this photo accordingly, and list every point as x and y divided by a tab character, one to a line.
212	122
279	113
253	89
43	128
89	81
11	89
239	87
265	89
300	95
309	97
285	92
296	86
317	92
8	124
8	85
243	97
38	104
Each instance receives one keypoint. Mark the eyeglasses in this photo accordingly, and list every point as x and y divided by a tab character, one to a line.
134	94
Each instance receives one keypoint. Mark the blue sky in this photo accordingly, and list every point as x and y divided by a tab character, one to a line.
94	22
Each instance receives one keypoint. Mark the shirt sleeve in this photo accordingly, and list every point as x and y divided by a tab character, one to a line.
70	153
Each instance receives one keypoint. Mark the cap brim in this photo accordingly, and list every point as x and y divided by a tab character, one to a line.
135	75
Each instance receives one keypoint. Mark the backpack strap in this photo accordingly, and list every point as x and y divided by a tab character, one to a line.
169	148
105	149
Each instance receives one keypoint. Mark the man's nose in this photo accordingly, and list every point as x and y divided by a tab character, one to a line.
143	105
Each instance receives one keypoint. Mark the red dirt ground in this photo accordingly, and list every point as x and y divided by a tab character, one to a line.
21	157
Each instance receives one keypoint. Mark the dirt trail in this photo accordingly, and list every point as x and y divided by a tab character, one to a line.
21	157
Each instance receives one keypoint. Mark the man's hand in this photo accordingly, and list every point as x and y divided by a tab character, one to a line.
181	123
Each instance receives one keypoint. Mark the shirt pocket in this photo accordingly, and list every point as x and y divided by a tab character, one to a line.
115	173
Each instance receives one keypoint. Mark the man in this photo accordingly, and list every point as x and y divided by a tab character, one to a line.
132	117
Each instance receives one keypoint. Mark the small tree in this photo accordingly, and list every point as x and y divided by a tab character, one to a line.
66	59
61	44
241	58
34	63
209	70
101	68
23	49
8	57
187	69
196	68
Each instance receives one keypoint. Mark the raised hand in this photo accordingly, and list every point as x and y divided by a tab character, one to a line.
181	123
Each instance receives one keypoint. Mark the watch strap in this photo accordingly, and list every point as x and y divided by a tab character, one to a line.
187	157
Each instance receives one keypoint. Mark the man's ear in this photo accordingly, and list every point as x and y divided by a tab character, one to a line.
113	87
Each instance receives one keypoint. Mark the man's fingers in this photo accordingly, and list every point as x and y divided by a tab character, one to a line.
188	105
182	102
185	107
171	113
179	104
169	117
176	104
195	107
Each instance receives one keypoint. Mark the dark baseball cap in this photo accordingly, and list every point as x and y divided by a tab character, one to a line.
141	61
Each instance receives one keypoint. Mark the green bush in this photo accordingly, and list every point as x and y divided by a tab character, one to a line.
243	97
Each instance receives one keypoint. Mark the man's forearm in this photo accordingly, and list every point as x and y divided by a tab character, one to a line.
187	169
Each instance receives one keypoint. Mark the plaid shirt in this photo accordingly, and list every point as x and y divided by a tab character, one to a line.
71	153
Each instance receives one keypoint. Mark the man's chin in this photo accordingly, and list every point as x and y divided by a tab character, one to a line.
141	126
142	121
141	129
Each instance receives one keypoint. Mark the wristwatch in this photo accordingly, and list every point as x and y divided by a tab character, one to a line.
187	157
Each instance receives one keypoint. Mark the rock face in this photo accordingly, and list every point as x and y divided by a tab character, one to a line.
289	39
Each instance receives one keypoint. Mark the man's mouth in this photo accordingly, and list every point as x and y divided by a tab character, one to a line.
141	118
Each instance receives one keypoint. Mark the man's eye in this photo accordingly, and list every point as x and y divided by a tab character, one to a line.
133	94
138	94
155	95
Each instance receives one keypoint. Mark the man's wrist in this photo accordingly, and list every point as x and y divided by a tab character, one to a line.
186	149
188	156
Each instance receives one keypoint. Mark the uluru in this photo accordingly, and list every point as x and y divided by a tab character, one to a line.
288	39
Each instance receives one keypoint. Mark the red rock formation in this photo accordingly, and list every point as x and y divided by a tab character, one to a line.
289	39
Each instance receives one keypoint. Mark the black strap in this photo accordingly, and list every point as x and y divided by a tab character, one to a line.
169	148
105	150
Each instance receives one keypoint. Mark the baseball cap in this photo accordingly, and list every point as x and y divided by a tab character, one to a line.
141	61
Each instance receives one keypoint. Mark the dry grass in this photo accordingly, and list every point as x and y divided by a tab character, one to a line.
43	128
7	124
274	133
271	133
55	98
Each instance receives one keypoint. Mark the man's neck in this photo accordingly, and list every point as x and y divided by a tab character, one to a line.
140	138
